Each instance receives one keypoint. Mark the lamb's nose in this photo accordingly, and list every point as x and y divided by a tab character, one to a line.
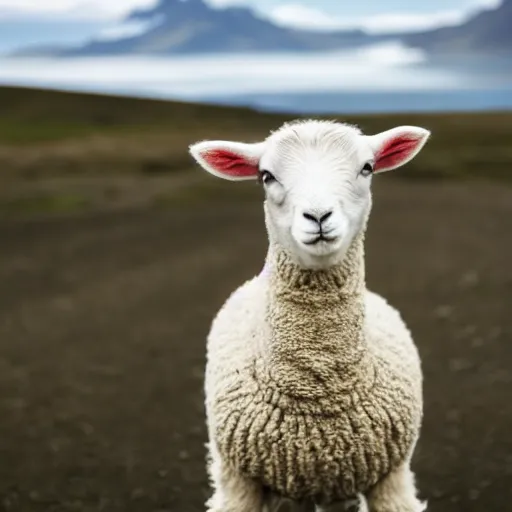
317	217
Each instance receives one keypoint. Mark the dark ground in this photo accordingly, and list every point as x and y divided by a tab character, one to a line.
103	318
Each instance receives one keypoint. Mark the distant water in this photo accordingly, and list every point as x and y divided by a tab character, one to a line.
383	78
353	102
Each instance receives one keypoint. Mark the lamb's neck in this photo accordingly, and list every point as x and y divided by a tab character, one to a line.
316	319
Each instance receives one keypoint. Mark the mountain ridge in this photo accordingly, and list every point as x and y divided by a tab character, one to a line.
489	31
193	27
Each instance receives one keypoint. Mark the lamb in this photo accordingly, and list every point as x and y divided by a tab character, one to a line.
313	383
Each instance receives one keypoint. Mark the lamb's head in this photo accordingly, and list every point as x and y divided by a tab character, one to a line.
316	176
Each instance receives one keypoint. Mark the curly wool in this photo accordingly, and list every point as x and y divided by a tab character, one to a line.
313	384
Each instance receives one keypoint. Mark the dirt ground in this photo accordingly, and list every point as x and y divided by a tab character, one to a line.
103	318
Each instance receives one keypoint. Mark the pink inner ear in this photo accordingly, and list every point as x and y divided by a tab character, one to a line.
231	164
395	151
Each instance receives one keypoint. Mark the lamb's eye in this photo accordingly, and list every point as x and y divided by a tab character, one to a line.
367	169
267	177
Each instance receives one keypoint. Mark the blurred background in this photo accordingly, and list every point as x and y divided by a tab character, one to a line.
116	251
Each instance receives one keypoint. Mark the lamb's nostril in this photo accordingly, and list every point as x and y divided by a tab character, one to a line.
325	216
310	217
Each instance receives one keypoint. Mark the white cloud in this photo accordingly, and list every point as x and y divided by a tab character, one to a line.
203	76
296	15
301	16
412	22
487	4
122	30
225	3
78	9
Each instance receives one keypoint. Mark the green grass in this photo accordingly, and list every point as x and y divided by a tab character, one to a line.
213	190
53	203
33	116
14	132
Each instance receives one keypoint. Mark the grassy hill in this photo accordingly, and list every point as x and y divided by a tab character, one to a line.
74	145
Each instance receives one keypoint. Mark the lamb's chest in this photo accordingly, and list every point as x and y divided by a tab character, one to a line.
303	455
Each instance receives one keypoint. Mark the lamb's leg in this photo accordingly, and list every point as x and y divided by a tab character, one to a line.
232	492
396	493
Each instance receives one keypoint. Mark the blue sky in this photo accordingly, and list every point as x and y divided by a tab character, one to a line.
27	22
364	7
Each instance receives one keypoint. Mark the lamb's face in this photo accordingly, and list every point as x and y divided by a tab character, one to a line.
317	180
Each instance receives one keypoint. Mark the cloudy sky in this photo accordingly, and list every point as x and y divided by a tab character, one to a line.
26	22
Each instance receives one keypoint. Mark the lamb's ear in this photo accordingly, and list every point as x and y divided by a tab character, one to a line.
229	160
394	148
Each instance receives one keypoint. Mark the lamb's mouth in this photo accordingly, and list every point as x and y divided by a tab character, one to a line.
321	238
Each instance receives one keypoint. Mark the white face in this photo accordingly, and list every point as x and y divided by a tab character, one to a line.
317	191
317	179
